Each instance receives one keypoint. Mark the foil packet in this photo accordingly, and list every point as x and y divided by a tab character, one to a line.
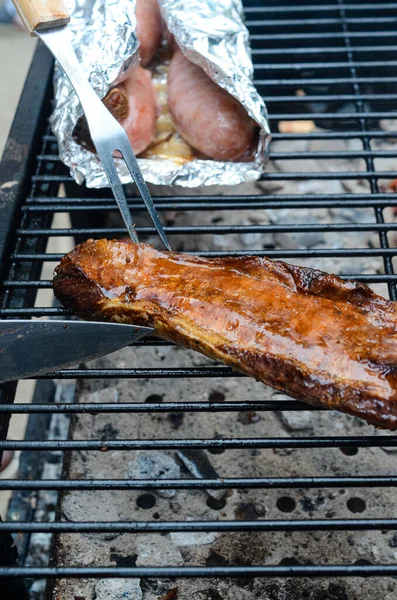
106	45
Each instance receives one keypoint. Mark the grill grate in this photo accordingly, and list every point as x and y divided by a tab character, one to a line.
331	65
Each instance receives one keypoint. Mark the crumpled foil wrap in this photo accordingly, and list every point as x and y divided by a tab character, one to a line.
211	33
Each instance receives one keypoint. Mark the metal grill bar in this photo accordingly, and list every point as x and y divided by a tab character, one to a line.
324	35
327	97
325	66
213	572
318	135
219	526
196	205
226	444
194	484
302	22
320	50
139	407
320	8
290	155
271	177
270	253
268	201
136	373
332	135
217	229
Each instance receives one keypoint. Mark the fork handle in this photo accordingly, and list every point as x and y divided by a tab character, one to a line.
42	14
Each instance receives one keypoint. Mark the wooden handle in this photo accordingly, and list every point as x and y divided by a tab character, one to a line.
42	14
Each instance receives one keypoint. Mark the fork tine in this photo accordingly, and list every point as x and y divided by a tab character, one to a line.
125	148
115	183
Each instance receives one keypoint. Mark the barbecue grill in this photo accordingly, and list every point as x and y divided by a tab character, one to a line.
256	494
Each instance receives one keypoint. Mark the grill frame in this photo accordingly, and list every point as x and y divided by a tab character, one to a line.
26	214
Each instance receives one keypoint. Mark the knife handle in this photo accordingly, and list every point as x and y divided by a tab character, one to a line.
42	14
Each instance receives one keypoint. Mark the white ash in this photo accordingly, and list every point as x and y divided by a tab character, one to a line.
390	449
199	465
312	186
193	538
157	550
118	589
353	215
251	240
296	420
83	505
37	589
154	465
106	395
292	240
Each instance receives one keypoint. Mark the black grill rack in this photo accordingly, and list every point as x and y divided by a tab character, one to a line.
334	64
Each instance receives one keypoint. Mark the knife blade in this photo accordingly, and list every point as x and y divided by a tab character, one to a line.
31	348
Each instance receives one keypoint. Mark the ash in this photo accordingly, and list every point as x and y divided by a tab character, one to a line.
243	549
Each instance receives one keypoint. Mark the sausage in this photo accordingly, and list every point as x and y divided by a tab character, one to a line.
148	29
208	117
133	104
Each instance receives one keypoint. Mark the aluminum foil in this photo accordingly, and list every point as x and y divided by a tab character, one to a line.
105	42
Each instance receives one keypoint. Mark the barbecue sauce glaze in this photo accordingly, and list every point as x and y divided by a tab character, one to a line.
319	339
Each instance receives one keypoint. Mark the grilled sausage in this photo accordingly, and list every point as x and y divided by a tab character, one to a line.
148	29
326	341
133	103
208	117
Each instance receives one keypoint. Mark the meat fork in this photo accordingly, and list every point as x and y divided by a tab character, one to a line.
48	20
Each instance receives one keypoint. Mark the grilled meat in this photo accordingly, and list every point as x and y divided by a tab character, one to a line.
317	338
